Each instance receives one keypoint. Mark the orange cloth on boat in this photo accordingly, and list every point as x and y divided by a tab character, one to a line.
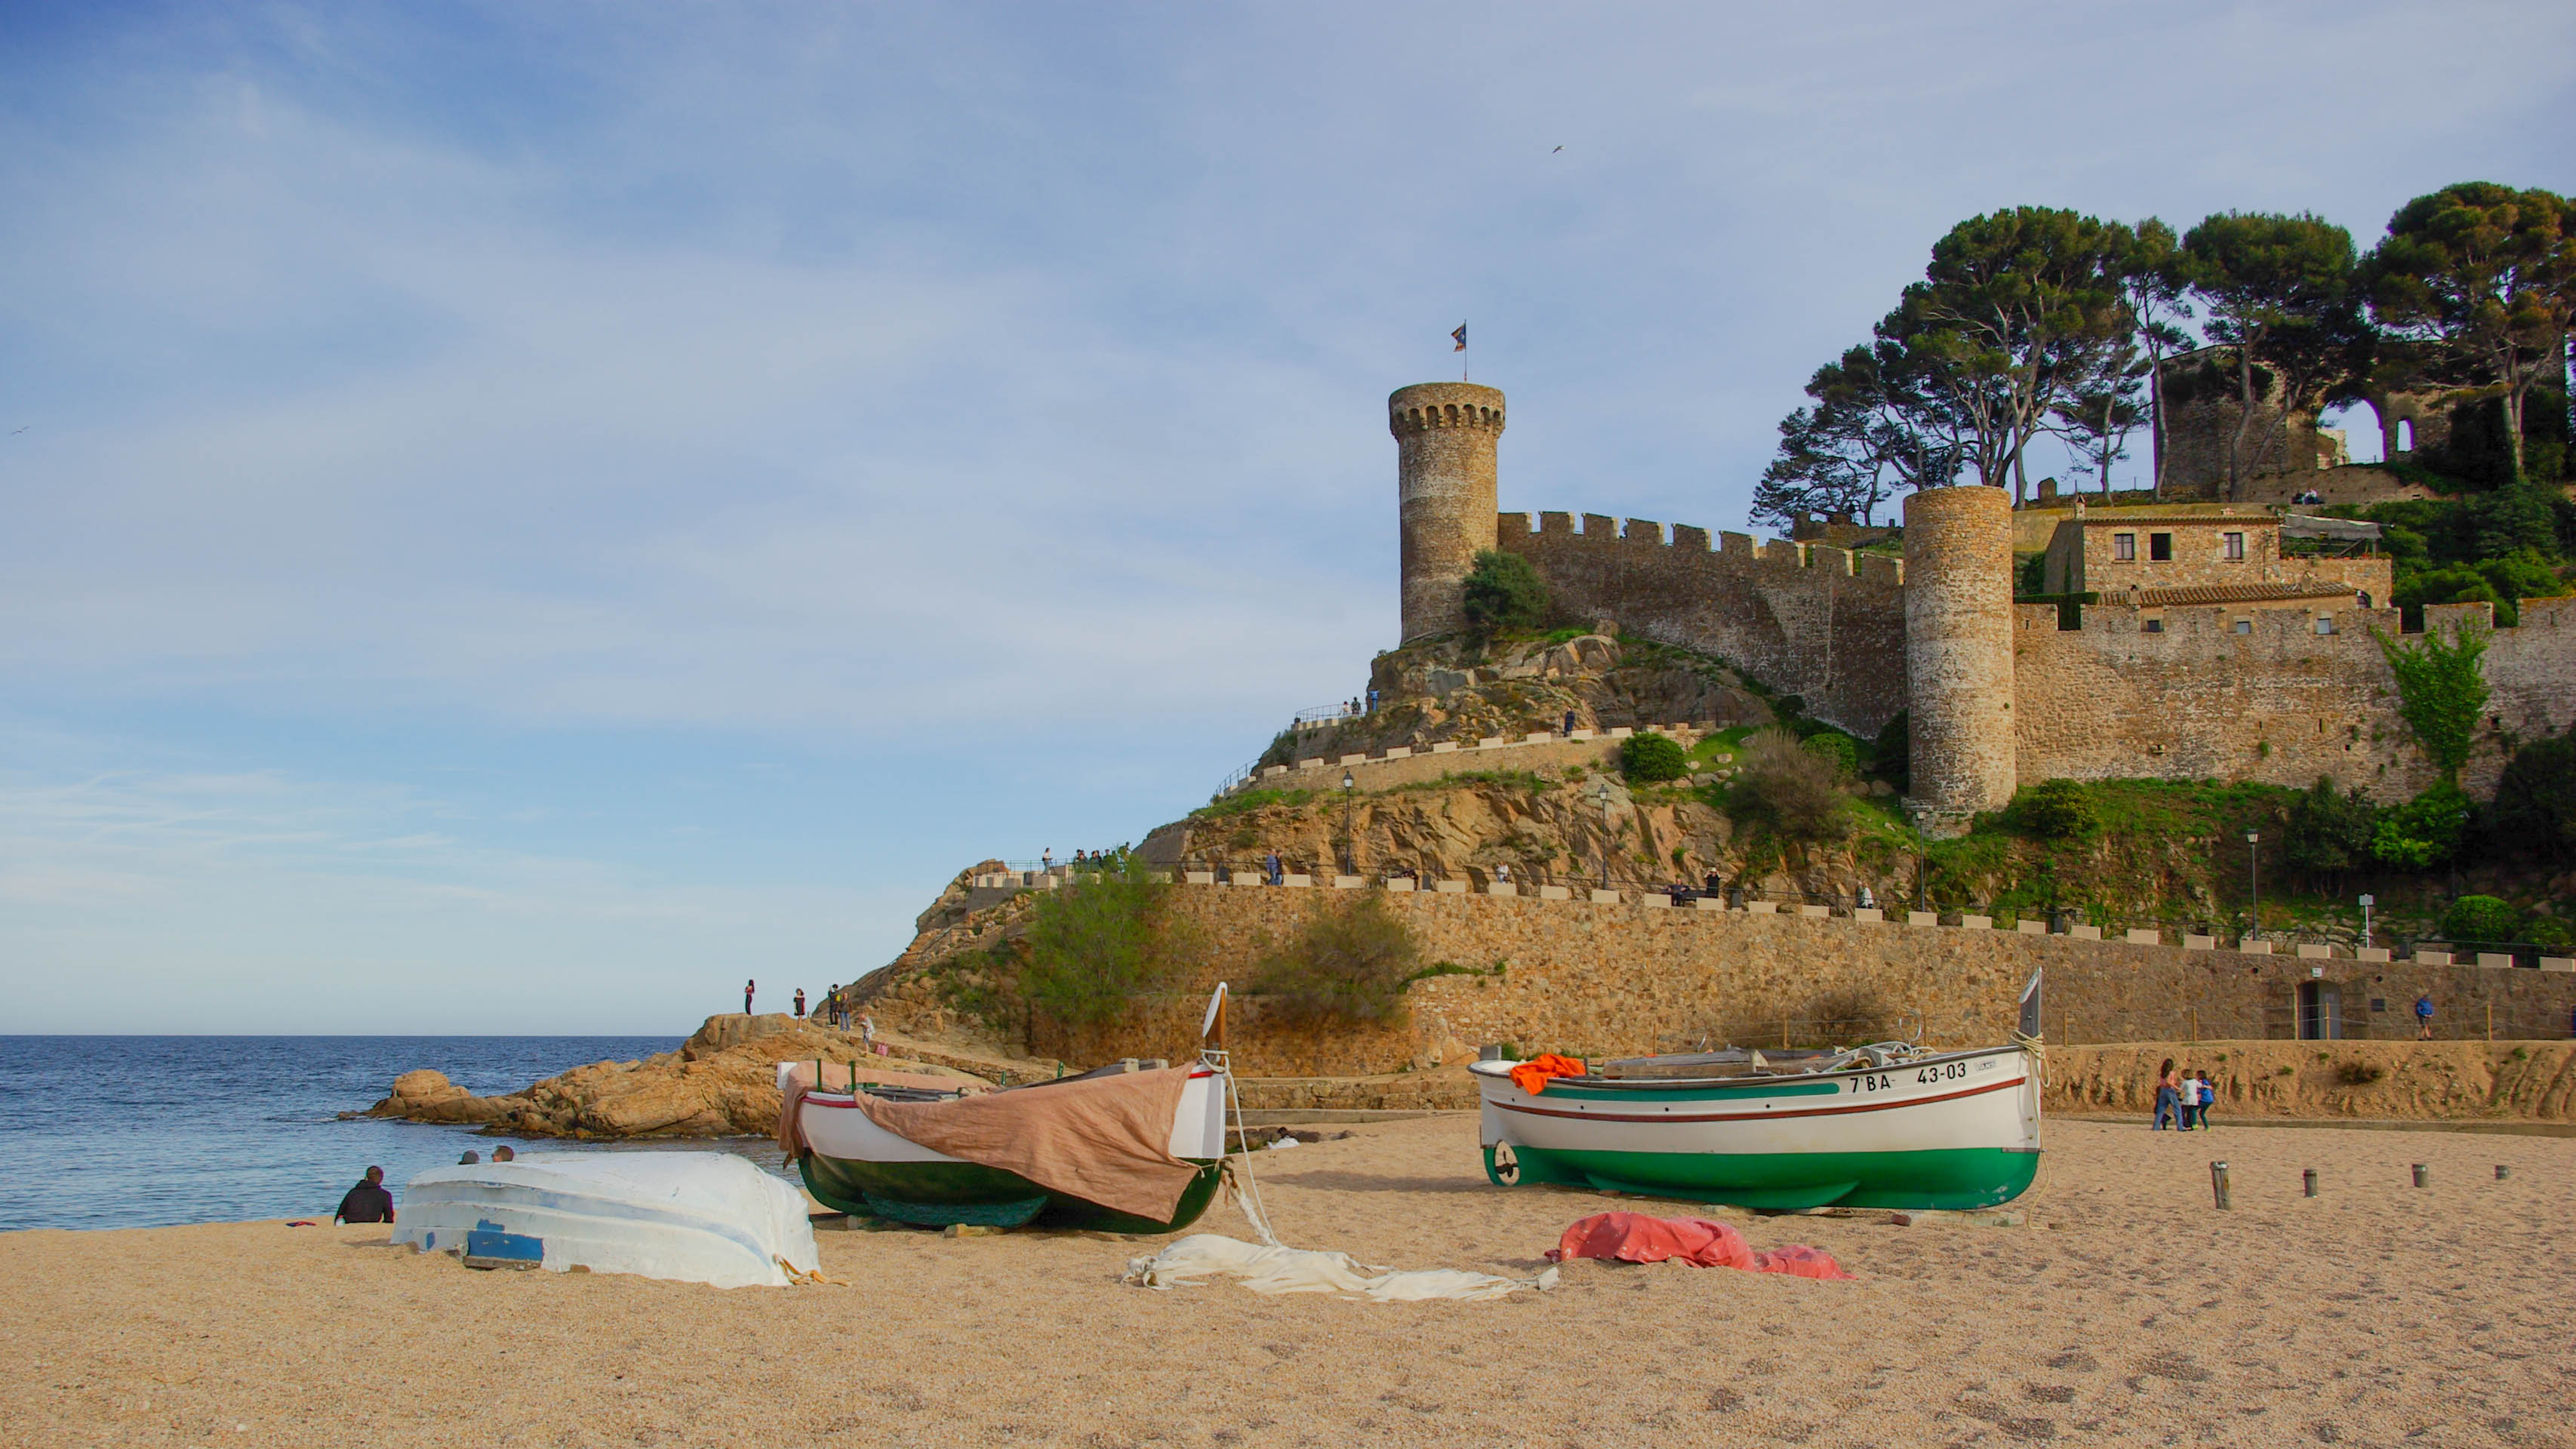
1531	1076
799	1080
1102	1139
1637	1238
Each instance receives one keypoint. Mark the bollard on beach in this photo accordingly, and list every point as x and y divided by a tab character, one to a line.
2218	1185
2308	1183
2503	1172
2422	1175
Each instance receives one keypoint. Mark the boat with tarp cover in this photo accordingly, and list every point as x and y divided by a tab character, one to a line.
1886	1125
1134	1147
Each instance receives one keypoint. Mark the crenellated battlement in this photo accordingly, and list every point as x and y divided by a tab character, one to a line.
1805	619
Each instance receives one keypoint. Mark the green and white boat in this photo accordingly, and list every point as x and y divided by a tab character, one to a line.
1888	1125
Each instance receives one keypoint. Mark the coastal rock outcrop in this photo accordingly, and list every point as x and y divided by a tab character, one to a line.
722	1082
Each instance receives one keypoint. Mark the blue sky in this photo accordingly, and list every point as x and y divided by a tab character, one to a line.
529	514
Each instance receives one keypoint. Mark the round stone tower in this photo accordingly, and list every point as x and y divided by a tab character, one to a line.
1444	471
1959	652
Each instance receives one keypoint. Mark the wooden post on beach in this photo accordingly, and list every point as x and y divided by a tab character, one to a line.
2490	1023
2308	1183
2423	1175
2195	1026
2218	1185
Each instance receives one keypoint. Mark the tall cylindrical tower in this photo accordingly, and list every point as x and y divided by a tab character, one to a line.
1959	651
1444	489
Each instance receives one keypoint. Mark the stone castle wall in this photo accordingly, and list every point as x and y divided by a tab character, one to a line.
1805	619
1616	979
2279	703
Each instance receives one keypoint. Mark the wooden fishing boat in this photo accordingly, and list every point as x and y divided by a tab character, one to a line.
1888	1125
855	1164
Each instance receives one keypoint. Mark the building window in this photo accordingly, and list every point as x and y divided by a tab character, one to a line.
2406	435
2160	548
2365	600
2152	626
2124	547
2244	626
2324	624
2234	546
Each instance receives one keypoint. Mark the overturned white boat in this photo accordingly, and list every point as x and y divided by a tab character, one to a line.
698	1217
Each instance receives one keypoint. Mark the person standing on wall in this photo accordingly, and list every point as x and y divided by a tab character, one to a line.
1270	869
1569	724
2423	1018
746	996
800	1003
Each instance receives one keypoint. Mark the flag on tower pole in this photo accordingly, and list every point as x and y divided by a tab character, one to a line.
1460	337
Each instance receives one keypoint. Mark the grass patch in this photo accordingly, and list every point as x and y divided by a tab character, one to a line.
1250	800
1527	782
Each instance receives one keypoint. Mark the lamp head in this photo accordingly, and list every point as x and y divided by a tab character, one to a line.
2251	836
2370	900
1346	779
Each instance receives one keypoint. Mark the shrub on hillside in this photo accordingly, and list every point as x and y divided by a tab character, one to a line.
1095	945
1794	791
1649	758
1891	756
2481	918
2058	810
2535	801
1349	966
1504	593
2425	831
2329	831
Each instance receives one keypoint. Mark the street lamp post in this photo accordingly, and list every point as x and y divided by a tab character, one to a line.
2366	903
1601	792
2254	885
1350	852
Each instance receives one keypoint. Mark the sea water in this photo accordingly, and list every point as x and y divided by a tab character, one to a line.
140	1131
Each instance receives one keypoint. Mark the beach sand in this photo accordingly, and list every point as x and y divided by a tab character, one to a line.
2126	1311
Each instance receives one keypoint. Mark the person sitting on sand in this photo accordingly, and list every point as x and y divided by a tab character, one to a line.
368	1202
471	1158
503	1153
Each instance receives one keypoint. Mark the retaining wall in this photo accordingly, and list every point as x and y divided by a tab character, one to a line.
1631	976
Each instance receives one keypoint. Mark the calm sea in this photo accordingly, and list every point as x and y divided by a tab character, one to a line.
138	1131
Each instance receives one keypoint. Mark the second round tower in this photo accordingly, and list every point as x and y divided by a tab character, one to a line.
1959	652
1445	494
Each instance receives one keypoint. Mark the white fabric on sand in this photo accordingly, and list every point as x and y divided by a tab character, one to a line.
1300	1270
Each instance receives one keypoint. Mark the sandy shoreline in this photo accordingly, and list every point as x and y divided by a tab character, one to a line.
2126	1312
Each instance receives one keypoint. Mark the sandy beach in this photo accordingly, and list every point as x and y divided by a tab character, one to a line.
2125	1311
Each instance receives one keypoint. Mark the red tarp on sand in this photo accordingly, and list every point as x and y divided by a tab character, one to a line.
1637	1238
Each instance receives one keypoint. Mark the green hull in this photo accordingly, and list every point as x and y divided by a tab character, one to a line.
1948	1179
928	1191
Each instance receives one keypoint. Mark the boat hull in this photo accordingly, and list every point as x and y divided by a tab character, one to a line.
1957	1131
852	1165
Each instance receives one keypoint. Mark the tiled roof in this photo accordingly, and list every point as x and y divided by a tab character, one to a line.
2167	520
2228	594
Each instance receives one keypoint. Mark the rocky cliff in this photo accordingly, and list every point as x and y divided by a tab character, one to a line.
721	1082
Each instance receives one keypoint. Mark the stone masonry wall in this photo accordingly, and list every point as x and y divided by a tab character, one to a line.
2281	703
1810	620
1624	978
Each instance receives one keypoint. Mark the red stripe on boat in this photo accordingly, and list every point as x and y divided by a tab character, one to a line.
1880	1106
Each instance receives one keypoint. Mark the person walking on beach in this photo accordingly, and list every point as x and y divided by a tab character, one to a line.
746	996
368	1202
2206	1096
2423	1018
2168	1095
800	1002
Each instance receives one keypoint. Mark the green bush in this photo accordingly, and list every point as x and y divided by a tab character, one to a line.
2425	831
2329	831
1648	758
2058	810
1891	757
1793	791
1504	593
1347	966
1095	945
2548	931
2534	812
2481	918
2441	693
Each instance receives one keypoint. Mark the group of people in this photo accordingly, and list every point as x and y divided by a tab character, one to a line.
2183	1099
